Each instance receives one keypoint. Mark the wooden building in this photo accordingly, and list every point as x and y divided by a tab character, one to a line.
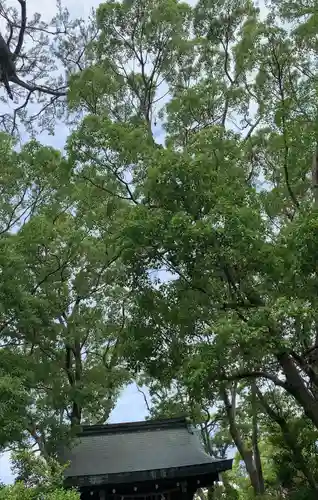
152	460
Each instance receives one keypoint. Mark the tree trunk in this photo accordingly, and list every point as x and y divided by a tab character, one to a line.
39	439
246	454
297	388
74	373
289	439
315	176
257	456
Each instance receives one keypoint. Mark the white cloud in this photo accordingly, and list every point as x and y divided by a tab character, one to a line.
5	469
76	9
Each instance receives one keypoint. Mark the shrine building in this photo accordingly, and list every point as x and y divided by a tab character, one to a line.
151	460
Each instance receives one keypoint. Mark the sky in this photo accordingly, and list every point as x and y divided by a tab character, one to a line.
131	405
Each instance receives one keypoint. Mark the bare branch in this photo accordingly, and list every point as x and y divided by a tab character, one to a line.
16	111
108	191
22	30
255	374
144	398
39	88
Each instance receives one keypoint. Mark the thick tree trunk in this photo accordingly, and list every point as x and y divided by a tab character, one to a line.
297	388
289	439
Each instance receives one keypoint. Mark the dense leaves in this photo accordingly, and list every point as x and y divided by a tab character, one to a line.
175	239
61	299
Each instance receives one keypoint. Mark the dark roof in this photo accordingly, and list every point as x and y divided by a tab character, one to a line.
168	423
134	449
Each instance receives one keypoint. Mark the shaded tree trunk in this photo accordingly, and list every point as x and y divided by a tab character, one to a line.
289	439
244	451
257	455
297	388
315	176
74	374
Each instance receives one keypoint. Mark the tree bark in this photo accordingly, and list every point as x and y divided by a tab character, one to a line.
257	455
74	375
289	439
297	388
246	454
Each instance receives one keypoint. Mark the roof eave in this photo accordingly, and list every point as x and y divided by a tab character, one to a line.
212	468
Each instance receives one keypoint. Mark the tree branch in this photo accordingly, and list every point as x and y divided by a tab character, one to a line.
255	374
108	191
144	398
32	88
286	147
22	30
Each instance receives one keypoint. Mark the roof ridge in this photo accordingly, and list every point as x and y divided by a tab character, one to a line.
168	423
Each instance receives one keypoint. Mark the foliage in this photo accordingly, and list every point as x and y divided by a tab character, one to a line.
175	238
37	478
19	491
61	300
220	242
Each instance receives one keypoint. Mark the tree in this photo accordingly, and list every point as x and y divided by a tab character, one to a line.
218	235
62	298
195	260
226	209
36	61
45	480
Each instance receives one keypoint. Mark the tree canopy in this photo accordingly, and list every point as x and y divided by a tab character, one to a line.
173	242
